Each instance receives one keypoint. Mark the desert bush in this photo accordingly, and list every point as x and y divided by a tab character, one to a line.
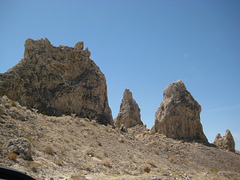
214	170
146	169
12	156
49	150
77	177
1	145
156	152
106	162
31	140
33	165
13	103
59	161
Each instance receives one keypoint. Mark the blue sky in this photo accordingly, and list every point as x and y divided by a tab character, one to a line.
143	45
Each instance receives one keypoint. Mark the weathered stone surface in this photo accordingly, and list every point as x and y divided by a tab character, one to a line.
20	146
225	142
58	80
129	114
178	116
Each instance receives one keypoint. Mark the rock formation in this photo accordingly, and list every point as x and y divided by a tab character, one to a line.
178	116
129	114
20	146
58	80
225	142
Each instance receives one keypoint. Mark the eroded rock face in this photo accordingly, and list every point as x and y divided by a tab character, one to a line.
129	114
225	142
58	80
178	116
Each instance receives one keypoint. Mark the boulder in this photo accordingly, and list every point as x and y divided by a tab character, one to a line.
225	142
20	146
178	116
129	114
58	80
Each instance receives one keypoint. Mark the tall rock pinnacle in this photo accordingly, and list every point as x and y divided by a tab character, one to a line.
129	114
178	116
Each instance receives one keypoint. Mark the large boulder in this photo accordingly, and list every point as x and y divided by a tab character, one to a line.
225	142
129	114
178	116
58	80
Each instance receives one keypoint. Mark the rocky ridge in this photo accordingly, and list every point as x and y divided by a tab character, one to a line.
129	114
58	80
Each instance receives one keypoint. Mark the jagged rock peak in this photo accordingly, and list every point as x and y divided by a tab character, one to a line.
226	142
178	116
58	80
129	114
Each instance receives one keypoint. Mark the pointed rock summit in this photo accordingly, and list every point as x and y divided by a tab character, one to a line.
225	142
178	116
129	114
58	80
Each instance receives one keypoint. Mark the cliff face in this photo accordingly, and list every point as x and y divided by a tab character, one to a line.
58	80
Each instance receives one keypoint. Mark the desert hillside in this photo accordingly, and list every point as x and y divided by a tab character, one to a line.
69	147
56	123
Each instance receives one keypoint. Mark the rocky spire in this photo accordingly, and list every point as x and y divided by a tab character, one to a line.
225	142
58	80
129	114
178	116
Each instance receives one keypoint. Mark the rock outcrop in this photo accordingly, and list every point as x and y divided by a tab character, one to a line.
129	114
20	146
58	80
225	142
179	114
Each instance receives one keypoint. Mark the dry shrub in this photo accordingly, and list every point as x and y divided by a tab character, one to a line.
77	177
1	145
12	156
106	163
105	154
214	170
146	169
59	161
33	165
49	150
13	103
1	111
156	152
31	140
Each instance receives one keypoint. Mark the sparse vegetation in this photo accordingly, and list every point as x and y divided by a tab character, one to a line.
12	156
214	170
106	162
31	140
146	169
13	103
33	165
49	150
59	161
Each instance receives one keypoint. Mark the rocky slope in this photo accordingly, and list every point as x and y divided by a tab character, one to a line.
58	80
69	147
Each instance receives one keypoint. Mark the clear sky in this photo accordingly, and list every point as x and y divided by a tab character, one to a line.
143	45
